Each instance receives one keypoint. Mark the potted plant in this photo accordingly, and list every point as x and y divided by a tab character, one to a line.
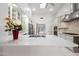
14	26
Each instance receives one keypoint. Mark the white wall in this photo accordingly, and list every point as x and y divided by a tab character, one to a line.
3	14
25	21
47	21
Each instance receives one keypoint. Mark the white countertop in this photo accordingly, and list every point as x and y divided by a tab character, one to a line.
49	40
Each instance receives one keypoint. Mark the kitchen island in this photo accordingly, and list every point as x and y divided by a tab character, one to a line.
41	46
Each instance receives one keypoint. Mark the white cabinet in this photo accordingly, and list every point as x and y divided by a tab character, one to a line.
14	11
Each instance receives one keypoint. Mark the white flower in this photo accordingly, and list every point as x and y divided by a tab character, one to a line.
17	22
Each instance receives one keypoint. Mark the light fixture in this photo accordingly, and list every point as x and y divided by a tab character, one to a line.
34	9
50	9
27	9
9	4
14	5
77	15
43	5
28	12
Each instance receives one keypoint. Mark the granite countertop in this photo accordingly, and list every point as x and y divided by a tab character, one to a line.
71	34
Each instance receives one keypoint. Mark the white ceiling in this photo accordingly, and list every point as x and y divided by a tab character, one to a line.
54	6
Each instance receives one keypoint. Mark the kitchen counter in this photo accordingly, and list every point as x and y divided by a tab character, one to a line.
25	45
50	40
72	37
75	37
71	34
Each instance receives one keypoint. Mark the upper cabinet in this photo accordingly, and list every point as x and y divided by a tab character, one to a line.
69	11
74	15
65	9
75	7
14	12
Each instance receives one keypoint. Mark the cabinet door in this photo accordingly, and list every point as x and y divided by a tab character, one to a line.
14	12
76	40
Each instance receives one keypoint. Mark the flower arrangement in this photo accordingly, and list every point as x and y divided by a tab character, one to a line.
12	24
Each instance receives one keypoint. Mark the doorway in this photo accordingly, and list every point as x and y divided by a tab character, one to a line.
55	30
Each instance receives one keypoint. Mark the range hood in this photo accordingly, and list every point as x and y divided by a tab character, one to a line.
74	15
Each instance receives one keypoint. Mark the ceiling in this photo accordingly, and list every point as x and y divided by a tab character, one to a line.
51	8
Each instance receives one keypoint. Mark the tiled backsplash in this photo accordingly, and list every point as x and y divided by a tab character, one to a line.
73	27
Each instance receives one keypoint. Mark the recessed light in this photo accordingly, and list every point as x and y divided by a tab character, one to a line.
14	5
50	9
42	5
27	9
34	9
77	15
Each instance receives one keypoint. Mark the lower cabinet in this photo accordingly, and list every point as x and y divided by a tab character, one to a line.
76	41
71	38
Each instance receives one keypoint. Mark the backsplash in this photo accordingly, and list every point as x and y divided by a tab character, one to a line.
73	27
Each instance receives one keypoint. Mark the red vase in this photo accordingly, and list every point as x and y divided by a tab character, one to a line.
15	34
